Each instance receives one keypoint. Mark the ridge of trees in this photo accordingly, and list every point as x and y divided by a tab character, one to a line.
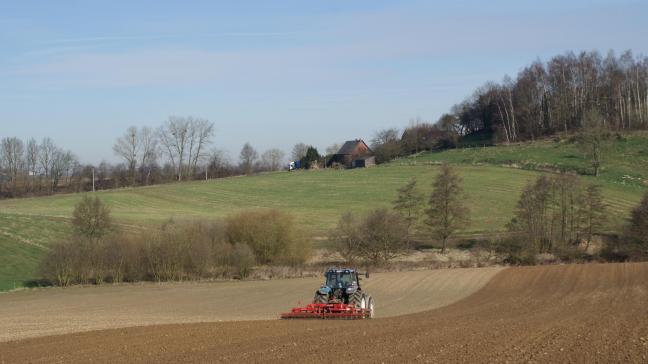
556	96
584	93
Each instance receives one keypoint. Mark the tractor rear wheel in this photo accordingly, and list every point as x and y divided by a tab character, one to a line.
356	299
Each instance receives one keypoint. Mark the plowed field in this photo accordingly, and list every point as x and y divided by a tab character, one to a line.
571	313
58	311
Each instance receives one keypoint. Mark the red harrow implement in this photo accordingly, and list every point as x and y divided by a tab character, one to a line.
327	311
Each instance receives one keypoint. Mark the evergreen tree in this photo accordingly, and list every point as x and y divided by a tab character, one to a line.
311	159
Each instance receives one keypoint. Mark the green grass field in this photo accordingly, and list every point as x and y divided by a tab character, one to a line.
23	241
625	160
316	198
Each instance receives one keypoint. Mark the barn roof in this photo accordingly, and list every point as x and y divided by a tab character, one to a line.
349	146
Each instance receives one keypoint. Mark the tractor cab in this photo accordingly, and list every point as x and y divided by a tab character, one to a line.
342	279
342	286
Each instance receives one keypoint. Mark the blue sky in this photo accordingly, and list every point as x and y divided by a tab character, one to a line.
275	73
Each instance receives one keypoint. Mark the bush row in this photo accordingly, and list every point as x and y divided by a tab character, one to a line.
179	251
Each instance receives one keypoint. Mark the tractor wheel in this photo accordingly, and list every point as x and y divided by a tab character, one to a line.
370	306
320	298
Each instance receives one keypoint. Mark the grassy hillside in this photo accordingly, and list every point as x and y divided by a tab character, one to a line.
315	198
23	241
625	159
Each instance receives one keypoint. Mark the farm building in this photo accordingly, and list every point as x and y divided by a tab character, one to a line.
353	154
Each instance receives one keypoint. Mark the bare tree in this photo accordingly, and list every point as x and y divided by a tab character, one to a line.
377	237
386	145
272	158
219	164
384	236
62	163
32	156
128	147
247	158
46	151
347	238
173	137
31	159
332	149
557	210
299	151
594	212
409	204
149	152
447	213
594	139
12	150
200	136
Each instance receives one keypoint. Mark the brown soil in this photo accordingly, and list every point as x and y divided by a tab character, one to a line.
572	313
60	311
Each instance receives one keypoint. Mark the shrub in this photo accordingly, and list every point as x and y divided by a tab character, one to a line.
636	236
272	235
384	236
514	252
241	260
58	264
632	244
91	218
123	257
176	251
347	238
377	238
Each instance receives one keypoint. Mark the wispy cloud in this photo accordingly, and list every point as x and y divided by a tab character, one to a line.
110	38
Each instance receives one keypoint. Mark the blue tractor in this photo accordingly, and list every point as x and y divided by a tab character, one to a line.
341	297
343	286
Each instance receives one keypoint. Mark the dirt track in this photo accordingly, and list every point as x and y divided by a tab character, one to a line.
573	313
59	311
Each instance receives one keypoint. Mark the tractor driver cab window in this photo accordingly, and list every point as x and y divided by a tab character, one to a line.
347	279
332	280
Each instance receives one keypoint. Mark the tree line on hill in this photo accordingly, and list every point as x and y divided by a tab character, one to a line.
556	96
585	93
180	149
